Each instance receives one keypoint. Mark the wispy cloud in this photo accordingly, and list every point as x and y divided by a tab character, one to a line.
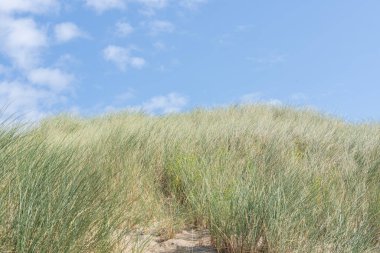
123	29
192	4
159	45
154	4
67	31
257	97
28	6
157	105
53	79
26	102
66	60
3	69
104	5
148	7
170	103
121	56
160	26
22	41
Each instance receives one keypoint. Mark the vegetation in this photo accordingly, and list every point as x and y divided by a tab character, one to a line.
260	178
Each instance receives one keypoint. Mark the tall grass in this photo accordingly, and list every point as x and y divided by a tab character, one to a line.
260	178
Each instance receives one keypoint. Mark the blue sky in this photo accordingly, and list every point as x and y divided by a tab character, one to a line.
95	56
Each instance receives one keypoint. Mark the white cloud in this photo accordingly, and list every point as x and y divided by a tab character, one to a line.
66	60
22	41
158	105
160	26
192	4
3	69
24	101
104	5
123	29
257	97
137	62
28	6
28	90
54	79
154	4
170	103
150	6
67	31
160	46
122	58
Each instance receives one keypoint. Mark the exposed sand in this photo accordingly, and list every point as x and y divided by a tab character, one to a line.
196	241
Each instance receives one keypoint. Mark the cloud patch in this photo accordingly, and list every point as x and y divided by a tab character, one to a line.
53	79
148	7
122	57
105	5
160	26
170	103
28	90
154	4
22	41
28	6
257	98
123	29
25	102
192	4
157	105
3	69
67	31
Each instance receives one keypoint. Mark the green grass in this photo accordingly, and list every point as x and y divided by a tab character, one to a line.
260	178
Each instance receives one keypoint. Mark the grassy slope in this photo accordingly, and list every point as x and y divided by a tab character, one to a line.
260	178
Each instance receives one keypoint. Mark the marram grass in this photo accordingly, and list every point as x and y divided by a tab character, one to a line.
260	178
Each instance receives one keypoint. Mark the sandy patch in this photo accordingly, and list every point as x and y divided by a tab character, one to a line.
188	241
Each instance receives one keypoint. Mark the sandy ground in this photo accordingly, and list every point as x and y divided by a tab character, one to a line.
188	241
